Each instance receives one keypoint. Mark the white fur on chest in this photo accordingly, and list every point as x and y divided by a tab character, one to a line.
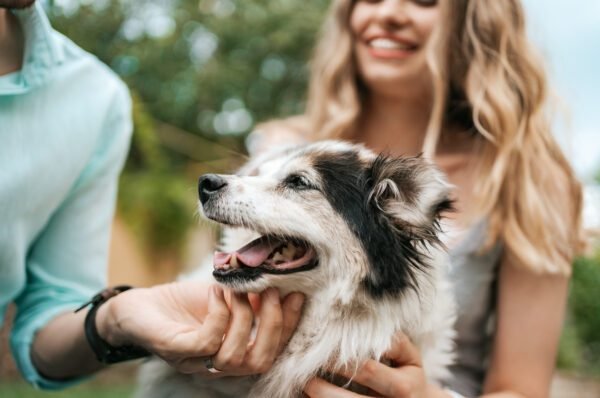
330	336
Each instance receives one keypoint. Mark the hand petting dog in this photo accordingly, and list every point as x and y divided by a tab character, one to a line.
404	378
239	354
184	327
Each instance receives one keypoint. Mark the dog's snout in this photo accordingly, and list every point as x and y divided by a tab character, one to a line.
210	184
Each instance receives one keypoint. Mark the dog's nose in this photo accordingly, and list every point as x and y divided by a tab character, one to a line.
208	185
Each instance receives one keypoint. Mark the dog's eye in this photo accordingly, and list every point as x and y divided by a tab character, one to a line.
297	181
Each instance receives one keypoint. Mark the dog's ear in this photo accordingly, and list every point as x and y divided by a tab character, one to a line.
410	191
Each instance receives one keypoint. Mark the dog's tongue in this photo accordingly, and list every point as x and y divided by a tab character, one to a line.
252	255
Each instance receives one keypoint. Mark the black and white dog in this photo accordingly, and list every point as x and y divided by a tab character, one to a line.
358	234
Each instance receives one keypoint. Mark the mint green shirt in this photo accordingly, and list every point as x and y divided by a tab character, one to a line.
64	133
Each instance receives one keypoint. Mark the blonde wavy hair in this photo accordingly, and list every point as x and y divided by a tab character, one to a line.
486	78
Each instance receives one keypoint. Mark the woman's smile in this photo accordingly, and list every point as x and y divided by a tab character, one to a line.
390	39
390	47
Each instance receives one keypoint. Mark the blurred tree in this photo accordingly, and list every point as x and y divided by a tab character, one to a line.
580	343
209	67
202	73
153	199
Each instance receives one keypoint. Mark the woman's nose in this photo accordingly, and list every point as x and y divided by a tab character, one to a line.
393	12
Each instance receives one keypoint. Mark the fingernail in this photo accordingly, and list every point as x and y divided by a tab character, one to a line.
296	301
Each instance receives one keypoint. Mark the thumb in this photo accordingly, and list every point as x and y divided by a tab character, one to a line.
403	352
206	339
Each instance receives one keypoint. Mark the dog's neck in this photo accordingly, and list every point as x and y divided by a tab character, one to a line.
338	331
334	335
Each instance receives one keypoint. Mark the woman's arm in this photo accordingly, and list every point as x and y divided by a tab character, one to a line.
530	314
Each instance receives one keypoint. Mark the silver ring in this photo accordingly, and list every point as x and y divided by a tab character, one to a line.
208	363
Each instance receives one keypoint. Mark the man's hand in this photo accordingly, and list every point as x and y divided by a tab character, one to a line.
186	322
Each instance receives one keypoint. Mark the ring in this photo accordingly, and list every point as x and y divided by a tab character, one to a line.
208	363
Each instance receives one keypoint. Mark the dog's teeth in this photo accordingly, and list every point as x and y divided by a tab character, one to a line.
289	251
234	262
278	257
222	267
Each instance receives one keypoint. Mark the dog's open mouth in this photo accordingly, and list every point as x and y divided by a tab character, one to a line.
267	254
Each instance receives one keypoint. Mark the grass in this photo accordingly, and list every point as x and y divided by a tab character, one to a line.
22	390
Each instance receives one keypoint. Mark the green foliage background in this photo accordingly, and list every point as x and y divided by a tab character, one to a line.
580	344
207	69
22	390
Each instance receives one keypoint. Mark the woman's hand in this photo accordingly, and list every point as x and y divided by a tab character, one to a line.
404	378
185	323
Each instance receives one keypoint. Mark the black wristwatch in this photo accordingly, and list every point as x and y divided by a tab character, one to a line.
106	353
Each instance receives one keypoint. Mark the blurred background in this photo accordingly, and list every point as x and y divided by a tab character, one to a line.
202	73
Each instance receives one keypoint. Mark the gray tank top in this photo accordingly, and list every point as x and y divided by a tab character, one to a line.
473	274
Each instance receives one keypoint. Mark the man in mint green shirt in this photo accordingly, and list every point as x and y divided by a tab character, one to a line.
64	133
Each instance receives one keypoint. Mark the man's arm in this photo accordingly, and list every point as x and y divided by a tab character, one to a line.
189	319
182	322
67	263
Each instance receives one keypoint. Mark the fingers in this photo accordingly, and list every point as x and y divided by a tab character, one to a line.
387	381
319	388
215	324
266	345
190	365
291	309
206	340
254	299
233	350
277	324
404	376
234	315
403	352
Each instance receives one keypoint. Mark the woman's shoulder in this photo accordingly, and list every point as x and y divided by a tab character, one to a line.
293	130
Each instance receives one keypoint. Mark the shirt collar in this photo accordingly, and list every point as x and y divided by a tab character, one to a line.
42	52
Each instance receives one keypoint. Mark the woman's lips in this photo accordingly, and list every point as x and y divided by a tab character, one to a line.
388	48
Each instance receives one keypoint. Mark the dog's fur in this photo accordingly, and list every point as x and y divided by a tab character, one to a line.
373	222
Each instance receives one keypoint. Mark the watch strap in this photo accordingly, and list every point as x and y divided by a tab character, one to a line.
106	353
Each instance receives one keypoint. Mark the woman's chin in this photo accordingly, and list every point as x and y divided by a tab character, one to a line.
398	84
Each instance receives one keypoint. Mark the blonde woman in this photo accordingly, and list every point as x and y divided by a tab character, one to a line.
457	79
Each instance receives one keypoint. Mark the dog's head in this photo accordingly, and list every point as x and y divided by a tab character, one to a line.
328	214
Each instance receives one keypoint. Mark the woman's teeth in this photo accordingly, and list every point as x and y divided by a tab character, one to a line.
389	44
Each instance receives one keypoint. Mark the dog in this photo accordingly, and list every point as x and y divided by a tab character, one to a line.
358	234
